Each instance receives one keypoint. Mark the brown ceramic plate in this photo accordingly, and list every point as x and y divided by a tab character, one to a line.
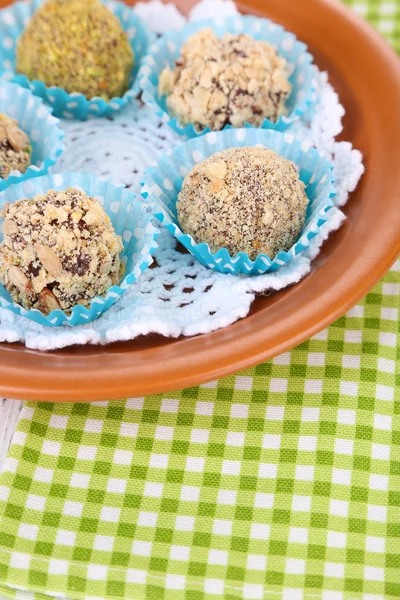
366	74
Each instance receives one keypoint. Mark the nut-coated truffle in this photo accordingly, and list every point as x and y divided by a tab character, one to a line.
245	200
59	250
15	147
229	81
78	45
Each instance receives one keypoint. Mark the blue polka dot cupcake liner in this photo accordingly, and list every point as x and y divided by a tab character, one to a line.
165	51
163	182
13	21
40	126
131	219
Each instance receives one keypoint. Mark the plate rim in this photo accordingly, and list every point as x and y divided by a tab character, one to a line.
32	375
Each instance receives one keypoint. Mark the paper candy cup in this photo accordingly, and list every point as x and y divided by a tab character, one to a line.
13	21
163	183
131	219
166	50
38	123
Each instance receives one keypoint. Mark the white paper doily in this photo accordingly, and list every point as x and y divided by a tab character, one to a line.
178	296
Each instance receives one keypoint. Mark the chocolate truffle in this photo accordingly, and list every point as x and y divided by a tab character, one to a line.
245	200
78	45
229	81
59	249
15	147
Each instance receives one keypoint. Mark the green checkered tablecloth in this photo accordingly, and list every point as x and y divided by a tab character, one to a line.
280	483
383	14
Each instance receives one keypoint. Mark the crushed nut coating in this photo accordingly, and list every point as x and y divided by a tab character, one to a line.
245	200
229	81
15	147
78	45
59	249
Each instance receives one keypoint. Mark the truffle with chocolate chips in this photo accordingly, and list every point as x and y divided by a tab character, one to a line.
245	200
229	81
78	45
59	250
15	147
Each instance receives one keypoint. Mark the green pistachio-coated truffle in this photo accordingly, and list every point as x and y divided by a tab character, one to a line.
78	45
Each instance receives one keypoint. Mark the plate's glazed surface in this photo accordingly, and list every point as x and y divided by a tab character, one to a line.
366	74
